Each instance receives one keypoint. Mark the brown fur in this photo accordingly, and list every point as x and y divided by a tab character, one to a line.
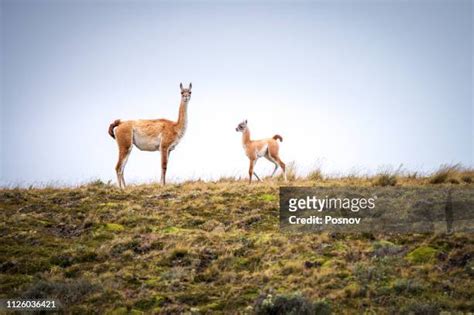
278	137
255	149
112	126
150	135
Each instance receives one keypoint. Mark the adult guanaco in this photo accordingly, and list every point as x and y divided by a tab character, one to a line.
150	135
255	149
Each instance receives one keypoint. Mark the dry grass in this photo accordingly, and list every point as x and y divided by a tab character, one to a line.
315	175
291	172
215	247
385	179
453	174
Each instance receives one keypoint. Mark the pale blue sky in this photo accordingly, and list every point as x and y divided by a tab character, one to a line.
350	85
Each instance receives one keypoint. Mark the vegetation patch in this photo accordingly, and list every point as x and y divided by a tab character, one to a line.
68	293
385	179
290	304
268	197
421	255
216	247
114	227
451	174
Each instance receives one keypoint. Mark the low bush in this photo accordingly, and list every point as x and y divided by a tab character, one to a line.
294	304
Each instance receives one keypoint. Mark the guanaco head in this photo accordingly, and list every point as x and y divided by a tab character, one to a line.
186	93
242	126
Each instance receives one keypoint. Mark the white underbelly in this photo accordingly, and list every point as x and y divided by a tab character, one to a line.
146	143
174	144
263	151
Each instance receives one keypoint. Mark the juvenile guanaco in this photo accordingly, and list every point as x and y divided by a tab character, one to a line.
150	135
255	149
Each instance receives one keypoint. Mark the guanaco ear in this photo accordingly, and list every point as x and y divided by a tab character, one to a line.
190	86
245	121
181	86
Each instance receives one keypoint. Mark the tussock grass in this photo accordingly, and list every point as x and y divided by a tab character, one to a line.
389	177
315	175
453	174
444	173
385	179
290	304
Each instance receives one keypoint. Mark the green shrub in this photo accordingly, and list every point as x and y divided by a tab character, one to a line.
384	248
419	307
408	286
294	304
421	255
114	227
69	293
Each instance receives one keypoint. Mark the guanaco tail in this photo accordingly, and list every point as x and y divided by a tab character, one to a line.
255	149
150	135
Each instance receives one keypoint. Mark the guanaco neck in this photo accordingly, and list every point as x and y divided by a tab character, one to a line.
246	137
183	116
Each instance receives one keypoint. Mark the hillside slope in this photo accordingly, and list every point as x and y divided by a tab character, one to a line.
214	247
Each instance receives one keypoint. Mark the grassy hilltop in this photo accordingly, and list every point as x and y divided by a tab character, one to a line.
215	247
